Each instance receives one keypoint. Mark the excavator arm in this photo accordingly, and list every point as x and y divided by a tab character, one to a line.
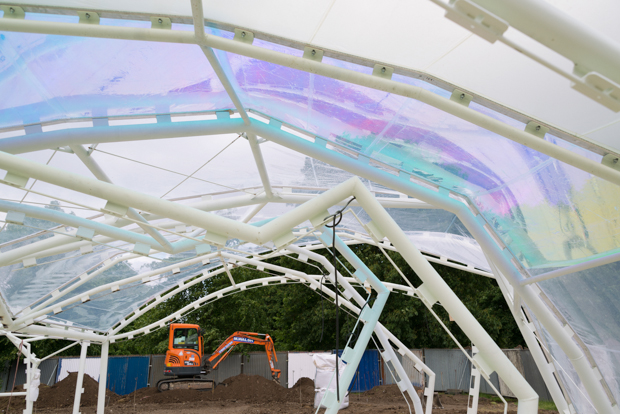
252	338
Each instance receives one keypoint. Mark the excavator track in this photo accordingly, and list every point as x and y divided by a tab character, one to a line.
185	384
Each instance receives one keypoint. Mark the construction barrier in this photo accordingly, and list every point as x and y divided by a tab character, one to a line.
128	373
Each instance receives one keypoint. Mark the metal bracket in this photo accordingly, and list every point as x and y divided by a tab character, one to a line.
476	19
163	118
85	233
203	249
222	114
115	209
141	248
601	89
86	249
13	12
612	161
30	262
161	23
275	123
88	17
244	36
15	217
15	180
536	129
215	238
461	97
65	149
101	122
383	71
313	54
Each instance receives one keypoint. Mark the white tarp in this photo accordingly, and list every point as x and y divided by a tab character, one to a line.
325	380
67	365
300	365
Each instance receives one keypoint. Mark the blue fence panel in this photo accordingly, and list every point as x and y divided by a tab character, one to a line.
368	373
126	374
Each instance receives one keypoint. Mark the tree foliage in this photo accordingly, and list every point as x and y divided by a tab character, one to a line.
299	319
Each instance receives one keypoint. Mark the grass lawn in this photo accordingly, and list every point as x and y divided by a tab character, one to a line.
542	405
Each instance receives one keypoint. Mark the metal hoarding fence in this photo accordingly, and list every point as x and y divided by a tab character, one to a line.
452	368
256	363
128	374
48	368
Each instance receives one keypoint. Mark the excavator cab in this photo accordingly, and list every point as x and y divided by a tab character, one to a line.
184	355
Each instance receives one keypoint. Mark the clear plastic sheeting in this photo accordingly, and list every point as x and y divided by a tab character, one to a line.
571	384
545	211
548	214
589	302
457	248
22	286
106	309
104	78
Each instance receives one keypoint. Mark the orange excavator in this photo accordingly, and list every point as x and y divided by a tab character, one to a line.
251	338
185	361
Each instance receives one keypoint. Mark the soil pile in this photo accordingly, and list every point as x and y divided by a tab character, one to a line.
61	395
246	388
383	393
257	389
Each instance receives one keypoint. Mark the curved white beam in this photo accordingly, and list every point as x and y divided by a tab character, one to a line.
100	134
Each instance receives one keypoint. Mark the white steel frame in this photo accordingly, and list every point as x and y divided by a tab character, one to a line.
280	230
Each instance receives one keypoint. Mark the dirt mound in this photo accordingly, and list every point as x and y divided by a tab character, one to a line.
385	393
244	388
61	395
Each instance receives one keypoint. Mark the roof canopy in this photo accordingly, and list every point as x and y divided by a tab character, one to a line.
484	156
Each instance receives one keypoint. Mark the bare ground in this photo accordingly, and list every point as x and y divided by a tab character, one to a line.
243	394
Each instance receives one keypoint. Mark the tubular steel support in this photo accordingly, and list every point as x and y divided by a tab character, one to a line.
533	345
473	224
98	172
260	164
103	376
101	134
78	385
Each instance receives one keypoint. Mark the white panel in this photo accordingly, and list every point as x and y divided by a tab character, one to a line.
68	365
504	75
608	135
407	33
300	365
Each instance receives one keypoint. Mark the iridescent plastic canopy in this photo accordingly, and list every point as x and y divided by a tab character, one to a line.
545	214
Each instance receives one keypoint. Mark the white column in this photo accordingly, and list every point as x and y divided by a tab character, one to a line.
29	368
103	375
543	365
80	379
474	389
434	288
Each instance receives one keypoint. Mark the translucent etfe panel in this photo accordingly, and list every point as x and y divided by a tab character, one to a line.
456	248
22	286
556	216
45	77
589	302
571	384
320	105
105	309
